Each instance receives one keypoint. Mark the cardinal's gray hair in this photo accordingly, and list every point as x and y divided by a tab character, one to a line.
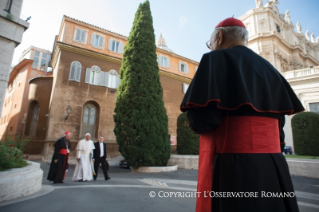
233	33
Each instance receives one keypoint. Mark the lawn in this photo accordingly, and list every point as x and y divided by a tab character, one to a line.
302	157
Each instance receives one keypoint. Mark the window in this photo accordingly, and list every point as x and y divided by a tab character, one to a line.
43	61
183	68
314	107
196	69
34	119
94	77
278	28
11	127
185	87
15	106
36	59
80	35
75	71
97	40
89	118
115	46
163	61
113	79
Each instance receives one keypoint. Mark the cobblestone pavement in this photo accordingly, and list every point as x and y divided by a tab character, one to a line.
126	191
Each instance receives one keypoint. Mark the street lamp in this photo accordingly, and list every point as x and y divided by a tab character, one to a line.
68	111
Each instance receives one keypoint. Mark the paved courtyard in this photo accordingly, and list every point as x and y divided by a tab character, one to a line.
131	192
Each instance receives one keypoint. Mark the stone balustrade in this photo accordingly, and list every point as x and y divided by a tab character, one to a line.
301	72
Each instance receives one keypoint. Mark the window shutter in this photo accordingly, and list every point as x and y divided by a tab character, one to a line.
97	78
121	48
102	42
110	44
72	71
83	36
101	78
186	68
78	73
196	68
92	38
118	81
185	87
160	59
87	75
168	62
179	66
106	76
157	58
77	34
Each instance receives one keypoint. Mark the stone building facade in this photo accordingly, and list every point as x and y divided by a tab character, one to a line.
294	53
80	94
17	103
12	28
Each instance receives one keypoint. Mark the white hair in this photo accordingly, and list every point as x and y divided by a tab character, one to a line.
87	134
237	33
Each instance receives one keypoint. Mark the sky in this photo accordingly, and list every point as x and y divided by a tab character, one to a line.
186	25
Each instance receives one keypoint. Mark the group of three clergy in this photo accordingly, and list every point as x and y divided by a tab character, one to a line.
89	157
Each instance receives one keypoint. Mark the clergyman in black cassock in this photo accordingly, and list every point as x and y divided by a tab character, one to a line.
236	102
59	163
99	157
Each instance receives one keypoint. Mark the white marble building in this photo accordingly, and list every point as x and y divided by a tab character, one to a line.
295	54
12	28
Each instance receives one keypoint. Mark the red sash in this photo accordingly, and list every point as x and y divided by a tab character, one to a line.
63	151
236	134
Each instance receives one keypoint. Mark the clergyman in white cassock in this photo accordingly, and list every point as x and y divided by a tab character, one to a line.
83	168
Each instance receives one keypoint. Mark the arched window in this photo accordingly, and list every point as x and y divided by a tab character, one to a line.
89	120
75	71
94	76
34	119
113	79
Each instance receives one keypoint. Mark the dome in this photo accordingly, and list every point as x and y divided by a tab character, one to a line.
162	44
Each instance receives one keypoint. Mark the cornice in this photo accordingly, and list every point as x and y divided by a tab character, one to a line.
275	35
175	76
82	51
303	79
176	56
78	50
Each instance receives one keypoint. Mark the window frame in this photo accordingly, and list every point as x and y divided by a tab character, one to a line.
95	76
86	35
75	71
99	35
185	67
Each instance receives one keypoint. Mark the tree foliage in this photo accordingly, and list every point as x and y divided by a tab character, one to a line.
187	140
305	133
141	123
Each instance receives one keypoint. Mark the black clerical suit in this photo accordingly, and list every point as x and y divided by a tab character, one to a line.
236	102
100	160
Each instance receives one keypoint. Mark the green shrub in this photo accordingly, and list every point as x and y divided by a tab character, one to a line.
141	123
11	153
187	140
305	130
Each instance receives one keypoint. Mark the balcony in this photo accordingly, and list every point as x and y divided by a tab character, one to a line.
301	72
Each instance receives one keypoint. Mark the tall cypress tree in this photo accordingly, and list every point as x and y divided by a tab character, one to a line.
141	123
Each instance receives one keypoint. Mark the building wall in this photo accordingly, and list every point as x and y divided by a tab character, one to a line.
67	35
16	102
286	50
39	93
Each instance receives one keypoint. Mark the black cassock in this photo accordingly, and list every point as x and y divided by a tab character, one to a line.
237	84
57	170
